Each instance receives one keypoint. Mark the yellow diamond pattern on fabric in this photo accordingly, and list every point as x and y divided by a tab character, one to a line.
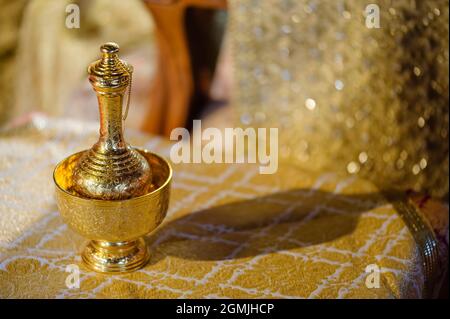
230	232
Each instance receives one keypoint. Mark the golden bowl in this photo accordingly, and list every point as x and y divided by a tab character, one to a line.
115	227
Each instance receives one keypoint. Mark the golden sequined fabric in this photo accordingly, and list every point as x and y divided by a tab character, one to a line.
230	232
347	96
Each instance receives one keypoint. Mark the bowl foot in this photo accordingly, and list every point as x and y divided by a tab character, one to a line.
115	257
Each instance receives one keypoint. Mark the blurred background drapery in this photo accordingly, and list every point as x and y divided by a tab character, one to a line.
44	63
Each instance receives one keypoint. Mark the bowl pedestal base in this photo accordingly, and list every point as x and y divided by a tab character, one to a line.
115	257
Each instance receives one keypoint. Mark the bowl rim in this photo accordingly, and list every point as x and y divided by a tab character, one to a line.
141	150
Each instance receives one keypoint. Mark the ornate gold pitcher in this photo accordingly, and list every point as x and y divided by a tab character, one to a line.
113	194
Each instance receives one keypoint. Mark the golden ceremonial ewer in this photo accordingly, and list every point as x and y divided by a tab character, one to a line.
113	194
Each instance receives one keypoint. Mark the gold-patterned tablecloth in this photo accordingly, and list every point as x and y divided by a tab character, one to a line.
230	232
